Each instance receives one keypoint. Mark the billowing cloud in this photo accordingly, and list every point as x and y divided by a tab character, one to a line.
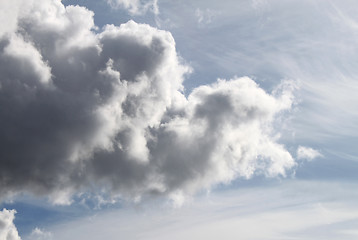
84	111
307	153
136	7
8	230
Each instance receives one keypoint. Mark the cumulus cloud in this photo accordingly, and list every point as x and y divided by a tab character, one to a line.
8	230
85	111
307	153
136	7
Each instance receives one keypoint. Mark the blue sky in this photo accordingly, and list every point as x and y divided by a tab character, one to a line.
130	134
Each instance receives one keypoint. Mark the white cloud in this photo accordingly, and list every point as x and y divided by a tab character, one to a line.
309	41
9	12
136	7
289	210
85	111
307	153
38	234
8	230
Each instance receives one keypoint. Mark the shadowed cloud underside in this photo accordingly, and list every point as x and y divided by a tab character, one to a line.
87	111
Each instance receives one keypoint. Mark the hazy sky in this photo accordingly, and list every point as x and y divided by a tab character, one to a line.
161	119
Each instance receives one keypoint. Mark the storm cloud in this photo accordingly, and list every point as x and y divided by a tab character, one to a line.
85	110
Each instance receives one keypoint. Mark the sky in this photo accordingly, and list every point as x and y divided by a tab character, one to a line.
161	119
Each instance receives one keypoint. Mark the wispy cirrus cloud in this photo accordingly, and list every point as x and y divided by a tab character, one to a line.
205	16
289	210
312	42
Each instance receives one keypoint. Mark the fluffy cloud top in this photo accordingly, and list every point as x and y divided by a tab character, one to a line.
8	230
82	111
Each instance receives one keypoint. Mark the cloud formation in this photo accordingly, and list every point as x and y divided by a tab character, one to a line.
136	7
8	230
205	16
84	111
291	210
307	153
38	234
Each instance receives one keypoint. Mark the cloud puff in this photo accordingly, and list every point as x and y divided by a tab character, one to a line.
38	234
136	7
307	153
85	111
8	230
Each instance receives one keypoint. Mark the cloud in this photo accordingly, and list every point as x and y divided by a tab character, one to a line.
38	234
136	7
8	15
259	5
8	230
307	153
285	210
314	44
91	112
205	16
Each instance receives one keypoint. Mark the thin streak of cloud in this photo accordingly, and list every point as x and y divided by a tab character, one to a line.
307	210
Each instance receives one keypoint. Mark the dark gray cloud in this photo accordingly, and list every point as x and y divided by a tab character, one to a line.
82	111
